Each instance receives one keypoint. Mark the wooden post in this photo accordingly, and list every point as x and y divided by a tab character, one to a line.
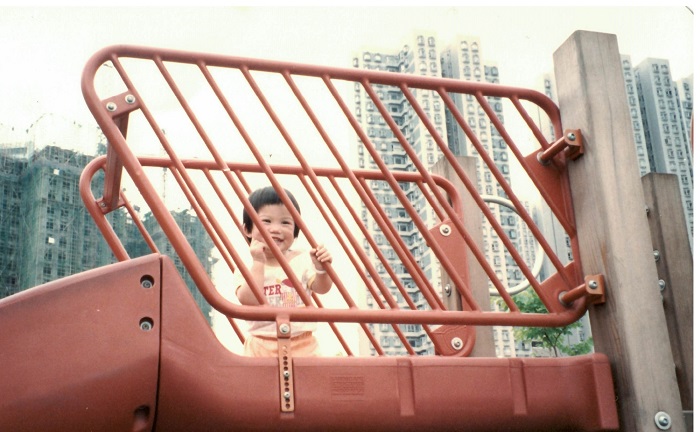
613	233
669	237
484	345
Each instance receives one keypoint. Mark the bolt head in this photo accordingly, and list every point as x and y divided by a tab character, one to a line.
662	284
445	230
662	420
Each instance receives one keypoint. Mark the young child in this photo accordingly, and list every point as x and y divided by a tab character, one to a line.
272	281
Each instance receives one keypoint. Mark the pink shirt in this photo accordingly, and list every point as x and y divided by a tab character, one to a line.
280	292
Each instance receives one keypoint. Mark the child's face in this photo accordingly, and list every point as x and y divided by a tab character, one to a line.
278	222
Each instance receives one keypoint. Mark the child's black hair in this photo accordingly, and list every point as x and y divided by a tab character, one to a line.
267	196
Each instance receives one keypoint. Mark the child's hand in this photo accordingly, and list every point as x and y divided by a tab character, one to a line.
257	251
319	256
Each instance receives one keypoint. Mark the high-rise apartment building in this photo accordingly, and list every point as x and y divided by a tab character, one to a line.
461	60
640	140
685	99
45	231
47	234
667	135
422	58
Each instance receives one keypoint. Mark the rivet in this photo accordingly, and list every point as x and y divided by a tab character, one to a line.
111	106
287	395
284	328
592	284
130	99
657	255
448	290
662	284
571	136
662	420
286	374
456	343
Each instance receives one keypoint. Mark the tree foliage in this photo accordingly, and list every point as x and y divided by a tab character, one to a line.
552	338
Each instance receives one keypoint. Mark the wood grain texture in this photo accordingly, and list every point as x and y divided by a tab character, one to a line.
669	236
613	233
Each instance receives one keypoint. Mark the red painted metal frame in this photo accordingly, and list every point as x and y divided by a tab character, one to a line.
551	180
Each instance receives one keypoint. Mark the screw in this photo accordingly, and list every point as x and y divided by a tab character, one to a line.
456	343
657	255
592	284
147	282
146	324
571	136
445	230
284	328
130	99
662	284
111	106
662	420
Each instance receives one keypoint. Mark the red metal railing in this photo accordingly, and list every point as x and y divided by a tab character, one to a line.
224	160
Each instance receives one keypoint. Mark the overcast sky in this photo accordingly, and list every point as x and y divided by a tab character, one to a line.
43	49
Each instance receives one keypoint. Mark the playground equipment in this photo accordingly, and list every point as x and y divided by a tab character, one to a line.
124	347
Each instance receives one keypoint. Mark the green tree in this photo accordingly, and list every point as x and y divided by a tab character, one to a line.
551	338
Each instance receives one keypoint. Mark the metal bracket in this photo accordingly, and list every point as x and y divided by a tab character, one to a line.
454	340
121	104
104	206
593	289
286	371
571	142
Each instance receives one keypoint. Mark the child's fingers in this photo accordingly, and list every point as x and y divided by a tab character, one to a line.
321	254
